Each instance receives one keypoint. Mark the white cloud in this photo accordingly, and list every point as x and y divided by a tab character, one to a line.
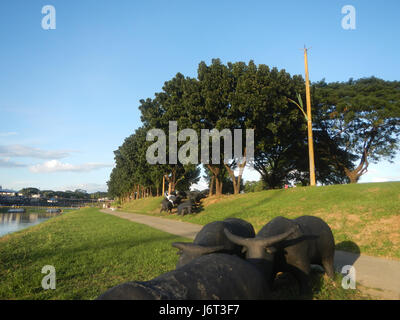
6	163
17	150
7	134
57	166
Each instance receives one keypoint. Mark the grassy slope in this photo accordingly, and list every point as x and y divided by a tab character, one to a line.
364	217
93	251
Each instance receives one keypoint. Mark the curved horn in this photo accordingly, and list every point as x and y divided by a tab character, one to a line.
237	239
196	248
266	242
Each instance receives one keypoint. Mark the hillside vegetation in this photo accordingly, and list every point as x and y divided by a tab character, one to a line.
364	217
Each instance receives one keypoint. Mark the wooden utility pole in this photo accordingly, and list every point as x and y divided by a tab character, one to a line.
309	124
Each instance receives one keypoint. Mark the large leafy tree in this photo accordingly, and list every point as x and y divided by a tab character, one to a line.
170	105
27	192
355	123
362	118
261	101
246	96
208	105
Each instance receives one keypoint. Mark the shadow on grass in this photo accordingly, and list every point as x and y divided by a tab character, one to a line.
286	287
349	246
347	253
259	203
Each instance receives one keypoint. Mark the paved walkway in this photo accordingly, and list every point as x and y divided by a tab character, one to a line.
378	277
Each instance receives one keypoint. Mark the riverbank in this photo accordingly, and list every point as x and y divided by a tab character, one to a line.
29	216
91	251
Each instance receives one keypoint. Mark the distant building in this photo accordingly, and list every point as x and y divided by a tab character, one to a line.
35	196
52	200
7	192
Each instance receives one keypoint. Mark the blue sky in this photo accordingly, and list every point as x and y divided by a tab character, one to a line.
69	96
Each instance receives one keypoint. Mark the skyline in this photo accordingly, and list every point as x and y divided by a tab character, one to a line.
69	97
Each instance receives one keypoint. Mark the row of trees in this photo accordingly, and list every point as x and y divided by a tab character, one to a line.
354	123
77	194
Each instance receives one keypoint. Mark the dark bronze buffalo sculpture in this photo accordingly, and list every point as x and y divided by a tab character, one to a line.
211	239
212	267
311	243
166	205
185	208
215	276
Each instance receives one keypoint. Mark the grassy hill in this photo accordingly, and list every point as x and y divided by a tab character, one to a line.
364	217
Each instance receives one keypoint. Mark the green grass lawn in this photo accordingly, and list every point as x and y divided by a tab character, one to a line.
92	251
364	217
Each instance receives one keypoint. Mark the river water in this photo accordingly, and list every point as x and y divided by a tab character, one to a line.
12	222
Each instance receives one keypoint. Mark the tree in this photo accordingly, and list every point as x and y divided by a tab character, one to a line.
48	193
134	177
262	97
170	105
127	175
362	118
225	183
27	192
253	186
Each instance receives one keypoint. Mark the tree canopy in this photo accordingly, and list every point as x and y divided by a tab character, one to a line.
354	123
362	118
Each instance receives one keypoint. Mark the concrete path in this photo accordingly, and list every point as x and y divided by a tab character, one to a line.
378	277
182	229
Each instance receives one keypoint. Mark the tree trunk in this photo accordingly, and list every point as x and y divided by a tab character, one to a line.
233	178
355	175
352	175
211	186
236	181
171	181
220	188
216	186
218	182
